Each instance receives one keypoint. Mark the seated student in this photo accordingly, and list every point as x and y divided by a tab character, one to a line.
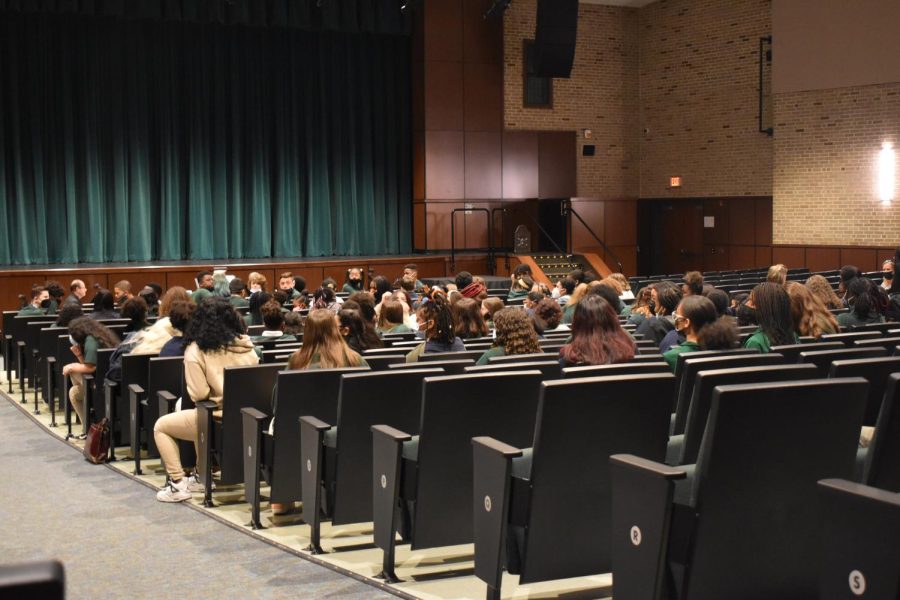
216	339
515	335
378	287
435	320
720	300
273	320
692	284
777	274
154	338
286	284
694	313
354	281
77	291
104	306
563	290
87	336
722	334
848	274
122	292
238	293
324	297
548	316
520	288
256	282
887	275
391	318
180	315
68	313
366	305
664	299
610	290
152	299
281	298
412	271
773	313
463	280
531	301
468	320
40	302
56	293
475	290
135	309
293	324
205	286
597	336
577	275
408	285
867	303
810	316
330	284
359	334
626	294
569	311
254	316
640	310
221	288
489	308
743	312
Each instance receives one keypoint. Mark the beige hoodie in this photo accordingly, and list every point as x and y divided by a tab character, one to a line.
204	372
155	337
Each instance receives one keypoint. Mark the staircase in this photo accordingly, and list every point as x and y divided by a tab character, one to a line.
557	266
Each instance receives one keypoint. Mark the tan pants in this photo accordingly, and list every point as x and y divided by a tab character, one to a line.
181	425
76	395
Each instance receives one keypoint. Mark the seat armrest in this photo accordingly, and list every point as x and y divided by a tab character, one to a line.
386	431
315	423
166	402
491	486
387	476
252	423
135	388
255	414
312	473
642	493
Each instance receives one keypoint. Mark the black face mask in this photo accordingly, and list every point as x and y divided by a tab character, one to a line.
746	315
652	306
356	284
45	303
122	300
889	275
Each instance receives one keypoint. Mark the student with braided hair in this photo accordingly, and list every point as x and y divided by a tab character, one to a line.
436	321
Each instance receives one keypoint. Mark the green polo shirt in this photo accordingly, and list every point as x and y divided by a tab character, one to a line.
201	295
758	341
568	313
490	353
30	310
671	357
401	328
238	302
90	350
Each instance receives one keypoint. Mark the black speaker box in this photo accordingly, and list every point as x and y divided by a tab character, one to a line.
554	39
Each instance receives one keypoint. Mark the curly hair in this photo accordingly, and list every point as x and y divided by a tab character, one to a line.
136	310
808	312
723	334
214	325
180	313
273	318
82	327
55	290
436	308
515	332
468	320
366	302
548	313
68	313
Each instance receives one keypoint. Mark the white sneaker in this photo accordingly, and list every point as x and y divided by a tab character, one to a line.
174	492
195	485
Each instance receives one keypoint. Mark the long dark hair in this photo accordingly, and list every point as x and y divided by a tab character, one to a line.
436	308
104	301
214	325
468	322
382	285
257	301
597	336
360	335
773	313
82	327
866	298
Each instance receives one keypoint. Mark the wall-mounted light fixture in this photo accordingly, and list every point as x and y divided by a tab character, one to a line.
887	168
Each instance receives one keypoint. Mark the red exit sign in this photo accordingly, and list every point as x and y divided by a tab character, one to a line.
674	182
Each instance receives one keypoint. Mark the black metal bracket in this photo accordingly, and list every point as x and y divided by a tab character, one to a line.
574	213
764	57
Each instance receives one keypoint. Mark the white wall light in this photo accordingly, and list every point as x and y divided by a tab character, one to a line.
887	166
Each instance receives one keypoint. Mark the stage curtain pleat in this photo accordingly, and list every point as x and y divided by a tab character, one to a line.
141	139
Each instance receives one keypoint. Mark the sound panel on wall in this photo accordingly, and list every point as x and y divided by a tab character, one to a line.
553	51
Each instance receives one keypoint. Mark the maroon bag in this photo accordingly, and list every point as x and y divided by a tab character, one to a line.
96	446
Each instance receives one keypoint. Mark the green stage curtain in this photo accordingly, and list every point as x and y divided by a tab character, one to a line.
195	134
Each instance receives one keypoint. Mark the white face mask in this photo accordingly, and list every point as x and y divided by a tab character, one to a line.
555	293
255	288
72	341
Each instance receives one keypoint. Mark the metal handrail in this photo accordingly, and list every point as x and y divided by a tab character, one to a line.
533	220
567	206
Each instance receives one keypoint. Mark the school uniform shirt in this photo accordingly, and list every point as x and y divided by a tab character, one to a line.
204	372
89	351
761	341
173	347
350	289
30	310
401	328
433	347
201	295
568	313
516	294
238	302
72	299
672	339
851	319
671	357
491	353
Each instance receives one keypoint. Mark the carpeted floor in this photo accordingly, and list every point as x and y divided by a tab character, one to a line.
117	541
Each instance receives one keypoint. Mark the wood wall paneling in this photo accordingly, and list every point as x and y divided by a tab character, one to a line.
821	258
715	257
790	256
557	176
763	257
420	227
520	165
418	164
483	165
594	213
626	254
443	96
444	166
742	222
443	25
763	221
483	102
719	233
741	257
620	223
865	259
482	38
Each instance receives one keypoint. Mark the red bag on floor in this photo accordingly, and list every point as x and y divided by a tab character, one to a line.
96	446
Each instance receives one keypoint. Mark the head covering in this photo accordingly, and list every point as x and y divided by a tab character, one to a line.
472	290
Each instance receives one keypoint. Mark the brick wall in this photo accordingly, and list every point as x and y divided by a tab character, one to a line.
699	79
601	95
826	146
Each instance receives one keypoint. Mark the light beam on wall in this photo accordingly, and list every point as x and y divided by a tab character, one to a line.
887	167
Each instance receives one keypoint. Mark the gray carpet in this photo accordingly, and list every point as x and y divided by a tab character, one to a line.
117	541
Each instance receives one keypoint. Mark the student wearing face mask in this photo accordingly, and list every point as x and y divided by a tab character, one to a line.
354	282
867	302
773	312
691	316
664	299
40	302
205	286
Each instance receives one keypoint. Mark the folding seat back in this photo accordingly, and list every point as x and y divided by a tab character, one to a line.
679	362
875	371
135	369
392	351
638	358
757	527
277	355
50	374
888	343
691	365
880	327
823	358
392	398
549	369
848	338
860	542
473	354
450	367
496	360
791	352
882	468
629	368
581	423
165	383
455	409
707	381
381	363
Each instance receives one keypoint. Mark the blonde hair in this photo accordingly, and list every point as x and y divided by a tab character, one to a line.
613	283
255	278
623	281
580	292
822	290
777	274
808	311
